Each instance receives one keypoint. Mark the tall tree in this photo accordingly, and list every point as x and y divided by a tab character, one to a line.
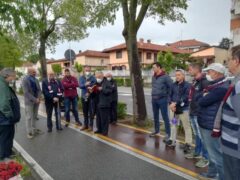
134	12
50	21
225	43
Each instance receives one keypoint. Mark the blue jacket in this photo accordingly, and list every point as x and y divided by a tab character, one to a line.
209	103
179	94
82	82
51	89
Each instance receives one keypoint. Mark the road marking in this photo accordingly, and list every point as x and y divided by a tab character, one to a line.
39	170
168	166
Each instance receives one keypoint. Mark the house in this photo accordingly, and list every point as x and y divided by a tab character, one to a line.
118	57
212	54
235	24
191	45
64	63
94	59
24	67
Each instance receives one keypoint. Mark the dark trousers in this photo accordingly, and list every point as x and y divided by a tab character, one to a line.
161	104
103	120
231	167
89	110
6	140
67	103
49	109
113	113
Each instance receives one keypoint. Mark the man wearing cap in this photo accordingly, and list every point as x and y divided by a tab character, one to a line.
209	103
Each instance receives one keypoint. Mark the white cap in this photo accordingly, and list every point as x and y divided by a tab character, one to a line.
216	67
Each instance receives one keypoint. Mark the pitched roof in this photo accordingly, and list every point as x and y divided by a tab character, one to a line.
57	61
90	53
147	46
187	43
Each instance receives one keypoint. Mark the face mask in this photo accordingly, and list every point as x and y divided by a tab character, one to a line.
99	80
109	79
87	73
209	78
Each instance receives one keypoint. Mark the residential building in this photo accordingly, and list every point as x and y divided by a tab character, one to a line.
191	45
235	24
118	57
212	54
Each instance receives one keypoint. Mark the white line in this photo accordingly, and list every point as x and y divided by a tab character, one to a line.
39	170
174	171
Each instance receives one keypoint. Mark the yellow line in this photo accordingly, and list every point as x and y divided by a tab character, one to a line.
169	164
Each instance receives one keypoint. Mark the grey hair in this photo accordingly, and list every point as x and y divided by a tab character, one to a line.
6	72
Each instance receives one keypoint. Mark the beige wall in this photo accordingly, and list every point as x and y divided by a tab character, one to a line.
97	61
221	55
81	60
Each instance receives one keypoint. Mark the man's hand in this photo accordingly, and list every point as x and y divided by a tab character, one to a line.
87	83
172	106
99	88
37	100
55	99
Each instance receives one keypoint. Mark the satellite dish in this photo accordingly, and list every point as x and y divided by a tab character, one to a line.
70	55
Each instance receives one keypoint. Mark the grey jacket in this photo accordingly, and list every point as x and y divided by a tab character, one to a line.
161	86
29	98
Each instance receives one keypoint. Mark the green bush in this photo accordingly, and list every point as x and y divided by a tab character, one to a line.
128	82
120	81
121	110
20	91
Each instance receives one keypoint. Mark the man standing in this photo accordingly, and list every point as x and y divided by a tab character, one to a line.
230	139
209	103
88	98
161	88
114	103
32	94
199	83
70	85
180	109
104	104
9	113
53	94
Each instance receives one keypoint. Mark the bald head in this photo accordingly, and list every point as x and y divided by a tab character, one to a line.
32	71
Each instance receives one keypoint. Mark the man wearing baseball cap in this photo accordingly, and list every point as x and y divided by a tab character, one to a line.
209	103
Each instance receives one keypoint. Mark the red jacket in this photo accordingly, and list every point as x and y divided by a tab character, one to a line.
70	85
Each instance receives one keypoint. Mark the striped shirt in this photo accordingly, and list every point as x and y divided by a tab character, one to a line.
230	138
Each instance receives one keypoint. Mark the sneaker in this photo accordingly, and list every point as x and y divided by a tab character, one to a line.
192	155
165	139
202	163
171	144
206	176
187	148
38	131
84	128
49	130
30	135
153	134
59	129
78	124
67	124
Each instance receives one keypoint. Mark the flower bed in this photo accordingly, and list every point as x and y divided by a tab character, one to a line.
9	170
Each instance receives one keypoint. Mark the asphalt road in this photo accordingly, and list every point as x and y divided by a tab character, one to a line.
70	155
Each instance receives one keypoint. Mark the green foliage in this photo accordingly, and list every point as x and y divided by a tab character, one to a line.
120	81
33	58
57	69
26	171
10	52
78	67
121	110
128	82
225	43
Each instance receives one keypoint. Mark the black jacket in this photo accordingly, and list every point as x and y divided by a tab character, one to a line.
105	95
114	90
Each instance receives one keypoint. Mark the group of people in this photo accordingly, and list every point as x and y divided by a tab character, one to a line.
209	107
98	98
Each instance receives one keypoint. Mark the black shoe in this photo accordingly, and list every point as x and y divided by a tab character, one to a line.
187	148
166	139
169	142
97	132
59	129
49	130
153	134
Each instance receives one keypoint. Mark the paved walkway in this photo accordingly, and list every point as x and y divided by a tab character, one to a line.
127	153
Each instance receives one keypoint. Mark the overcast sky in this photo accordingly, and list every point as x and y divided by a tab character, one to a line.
207	21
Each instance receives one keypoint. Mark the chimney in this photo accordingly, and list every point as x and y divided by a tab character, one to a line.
141	40
149	41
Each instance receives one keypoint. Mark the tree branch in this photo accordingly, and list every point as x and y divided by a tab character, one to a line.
125	16
133	10
141	14
50	5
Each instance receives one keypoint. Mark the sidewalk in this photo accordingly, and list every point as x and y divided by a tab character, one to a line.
61	149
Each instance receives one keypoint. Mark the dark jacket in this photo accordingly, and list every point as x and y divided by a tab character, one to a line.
179	94
209	103
114	90
52	89
105	96
161	86
70	85
9	104
82	82
195	93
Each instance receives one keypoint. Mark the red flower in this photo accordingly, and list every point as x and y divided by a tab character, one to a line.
8	170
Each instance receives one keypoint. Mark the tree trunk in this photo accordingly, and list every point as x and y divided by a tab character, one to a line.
42	55
139	106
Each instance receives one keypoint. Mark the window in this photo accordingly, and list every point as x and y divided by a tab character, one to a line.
67	64
149	55
119	54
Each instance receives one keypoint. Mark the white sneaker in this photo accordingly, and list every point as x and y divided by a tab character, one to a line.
30	136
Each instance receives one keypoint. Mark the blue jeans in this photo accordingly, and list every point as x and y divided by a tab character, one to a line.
199	146
161	104
231	167
214	152
67	103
